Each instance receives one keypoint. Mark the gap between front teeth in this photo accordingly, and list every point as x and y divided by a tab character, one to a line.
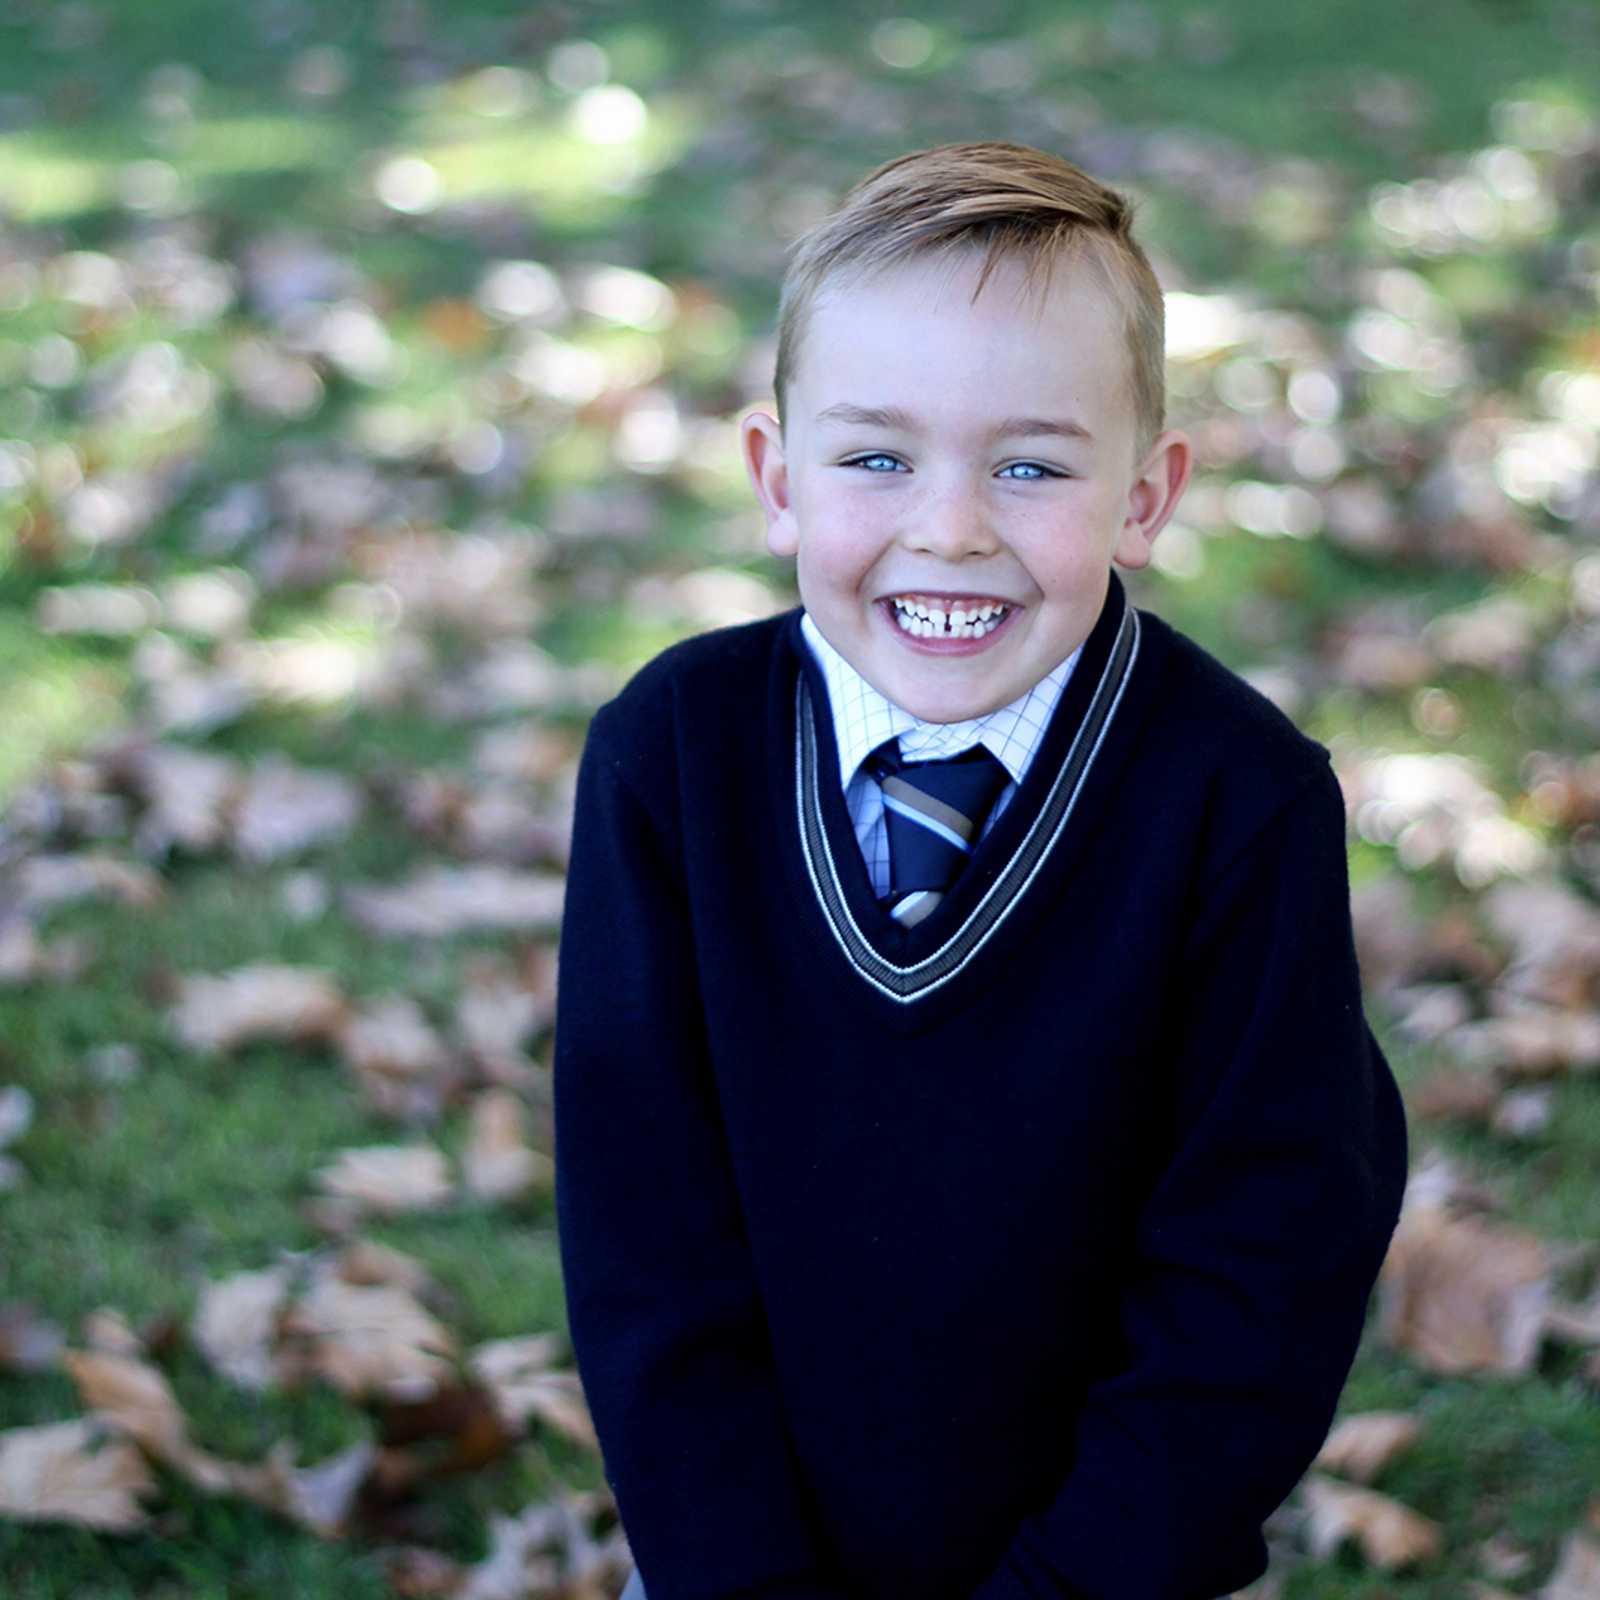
927	622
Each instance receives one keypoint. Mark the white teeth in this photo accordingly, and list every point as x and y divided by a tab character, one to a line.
922	621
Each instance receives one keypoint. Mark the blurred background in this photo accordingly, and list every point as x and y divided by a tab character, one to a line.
369	388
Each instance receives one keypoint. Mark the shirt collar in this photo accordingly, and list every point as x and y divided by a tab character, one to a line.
863	718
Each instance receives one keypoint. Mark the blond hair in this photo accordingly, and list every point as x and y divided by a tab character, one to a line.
1009	200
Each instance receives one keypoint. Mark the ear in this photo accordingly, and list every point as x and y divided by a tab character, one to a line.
1157	487
761	440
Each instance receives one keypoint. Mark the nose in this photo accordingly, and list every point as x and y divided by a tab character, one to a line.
952	521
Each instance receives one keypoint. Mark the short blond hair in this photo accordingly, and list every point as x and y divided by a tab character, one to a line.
1009	200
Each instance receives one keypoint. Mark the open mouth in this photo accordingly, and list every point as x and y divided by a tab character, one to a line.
944	618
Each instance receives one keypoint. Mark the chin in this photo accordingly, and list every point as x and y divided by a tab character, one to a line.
947	710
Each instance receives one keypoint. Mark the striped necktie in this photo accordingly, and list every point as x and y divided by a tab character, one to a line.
934	811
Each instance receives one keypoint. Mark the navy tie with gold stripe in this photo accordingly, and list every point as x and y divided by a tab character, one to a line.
934	811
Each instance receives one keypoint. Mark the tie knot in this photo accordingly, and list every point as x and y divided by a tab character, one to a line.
934	811
971	781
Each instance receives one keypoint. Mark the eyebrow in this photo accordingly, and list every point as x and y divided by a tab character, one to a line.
1008	427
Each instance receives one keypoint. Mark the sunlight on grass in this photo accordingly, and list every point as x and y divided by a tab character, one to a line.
48	175
573	178
56	701
41	184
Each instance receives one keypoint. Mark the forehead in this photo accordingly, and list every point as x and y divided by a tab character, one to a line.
916	328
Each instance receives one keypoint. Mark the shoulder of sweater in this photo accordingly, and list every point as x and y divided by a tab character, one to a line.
1225	722
1238	759
713	680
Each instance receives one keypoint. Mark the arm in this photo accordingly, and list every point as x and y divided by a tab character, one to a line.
664	1311
1255	1252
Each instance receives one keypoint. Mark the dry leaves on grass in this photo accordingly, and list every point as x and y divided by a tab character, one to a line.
438	901
26	958
16	1117
135	1400
1481	1099
1553	935
1363	1444
521	1375
51	880
1464	1293
1390	1535
354	1318
1528	1041
73	1472
495	821
549	1550
1461	1292
282	809
498	1162
28	1341
1577	1573
365	1340
260	1001
389	1179
502	1005
402	1066
238	1321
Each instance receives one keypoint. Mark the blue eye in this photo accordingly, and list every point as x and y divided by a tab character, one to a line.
877	455
1034	471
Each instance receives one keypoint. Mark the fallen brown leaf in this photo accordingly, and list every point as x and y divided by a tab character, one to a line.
1390	1535
388	1179
404	1068
460	1425
1575	1324
498	1162
1500	1557
135	1399
1452	1094
71	1472
521	1374
282	809
236	1324
1362	1445
51	880
1523	1114
363	1340
132	1396
260	1001
107	1330
548	1550
1464	1294
321	1498
363	1261
500	1008
1577	1573
417	1573
186	794
442	900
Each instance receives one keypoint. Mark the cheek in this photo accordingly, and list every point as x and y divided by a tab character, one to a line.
838	550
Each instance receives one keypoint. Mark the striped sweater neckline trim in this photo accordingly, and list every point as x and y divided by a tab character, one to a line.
915	980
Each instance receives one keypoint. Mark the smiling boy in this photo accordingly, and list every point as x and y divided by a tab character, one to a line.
974	1161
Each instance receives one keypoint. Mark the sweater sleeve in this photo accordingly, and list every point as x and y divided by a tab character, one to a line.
1256	1249
663	1306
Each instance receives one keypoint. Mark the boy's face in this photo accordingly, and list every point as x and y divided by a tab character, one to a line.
951	458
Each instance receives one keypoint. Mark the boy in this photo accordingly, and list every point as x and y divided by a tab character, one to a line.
972	1172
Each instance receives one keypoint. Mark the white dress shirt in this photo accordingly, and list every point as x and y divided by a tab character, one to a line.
863	718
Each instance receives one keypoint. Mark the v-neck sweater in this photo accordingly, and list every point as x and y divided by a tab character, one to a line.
1020	1253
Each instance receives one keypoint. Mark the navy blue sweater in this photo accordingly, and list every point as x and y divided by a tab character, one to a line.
1021	1253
